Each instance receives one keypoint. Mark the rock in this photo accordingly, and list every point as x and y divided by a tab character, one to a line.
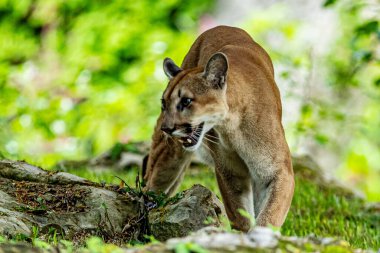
218	240
306	168
196	209
120	156
22	171
32	197
75	208
21	248
67	178
264	237
214	240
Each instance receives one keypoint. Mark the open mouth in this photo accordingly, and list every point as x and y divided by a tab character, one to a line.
193	137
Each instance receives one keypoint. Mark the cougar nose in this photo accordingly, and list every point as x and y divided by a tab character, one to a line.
167	130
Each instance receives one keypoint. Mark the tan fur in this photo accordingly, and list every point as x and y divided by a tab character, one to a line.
245	143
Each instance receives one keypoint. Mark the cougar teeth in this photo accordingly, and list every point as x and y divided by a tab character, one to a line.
181	141
188	140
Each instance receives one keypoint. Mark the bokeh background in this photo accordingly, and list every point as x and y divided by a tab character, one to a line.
78	76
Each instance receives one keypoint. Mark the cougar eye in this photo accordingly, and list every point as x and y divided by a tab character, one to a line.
185	102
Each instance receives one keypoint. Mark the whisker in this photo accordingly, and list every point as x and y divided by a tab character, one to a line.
198	133
208	148
216	143
212	136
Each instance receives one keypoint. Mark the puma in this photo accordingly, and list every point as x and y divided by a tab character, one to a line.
223	105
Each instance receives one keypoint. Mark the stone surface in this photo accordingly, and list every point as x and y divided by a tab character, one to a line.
211	240
32	197
22	171
21	248
260	239
75	208
197	208
119	157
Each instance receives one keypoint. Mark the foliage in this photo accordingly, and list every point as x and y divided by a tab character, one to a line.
76	76
354	75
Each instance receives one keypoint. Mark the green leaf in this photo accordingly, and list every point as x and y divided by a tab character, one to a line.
377	82
367	28
116	151
362	55
321	138
329	3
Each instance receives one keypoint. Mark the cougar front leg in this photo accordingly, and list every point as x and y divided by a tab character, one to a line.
273	198
165	166
179	179
236	189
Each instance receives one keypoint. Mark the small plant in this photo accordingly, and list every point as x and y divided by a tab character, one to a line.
209	220
52	236
225	223
151	239
21	238
97	245
245	214
35	232
175	198
189	247
119	148
156	199
42	205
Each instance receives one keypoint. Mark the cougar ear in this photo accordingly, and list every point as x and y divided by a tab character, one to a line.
170	68
216	70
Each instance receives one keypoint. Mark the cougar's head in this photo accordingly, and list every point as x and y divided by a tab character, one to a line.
194	100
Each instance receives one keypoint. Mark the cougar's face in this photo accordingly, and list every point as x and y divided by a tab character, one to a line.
194	101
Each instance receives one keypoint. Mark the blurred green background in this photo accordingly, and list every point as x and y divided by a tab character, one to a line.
77	76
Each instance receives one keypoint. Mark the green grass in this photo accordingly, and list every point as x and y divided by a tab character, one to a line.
316	210
327	212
